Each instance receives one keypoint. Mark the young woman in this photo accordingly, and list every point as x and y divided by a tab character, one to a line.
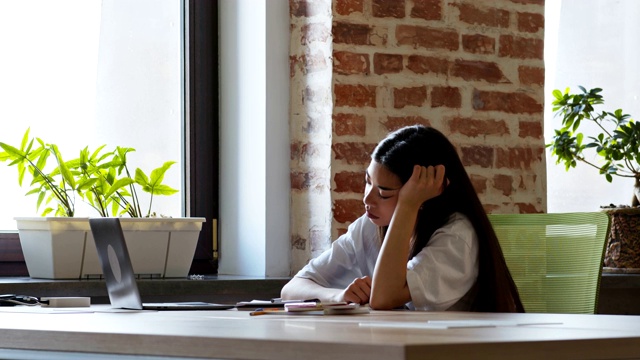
424	242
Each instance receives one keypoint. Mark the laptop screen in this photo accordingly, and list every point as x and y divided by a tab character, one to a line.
116	264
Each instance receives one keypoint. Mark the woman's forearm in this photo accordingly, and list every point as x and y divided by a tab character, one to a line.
389	286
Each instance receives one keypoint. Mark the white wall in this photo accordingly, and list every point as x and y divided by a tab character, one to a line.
254	137
593	43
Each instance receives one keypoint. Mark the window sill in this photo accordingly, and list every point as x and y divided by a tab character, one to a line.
619	293
215	288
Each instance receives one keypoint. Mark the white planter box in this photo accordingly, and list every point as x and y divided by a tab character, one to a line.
63	248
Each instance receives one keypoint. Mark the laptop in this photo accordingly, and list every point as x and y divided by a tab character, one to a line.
118	271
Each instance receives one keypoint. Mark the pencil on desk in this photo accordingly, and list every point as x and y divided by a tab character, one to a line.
266	311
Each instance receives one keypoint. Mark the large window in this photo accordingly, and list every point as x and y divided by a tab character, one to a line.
139	74
593	43
92	72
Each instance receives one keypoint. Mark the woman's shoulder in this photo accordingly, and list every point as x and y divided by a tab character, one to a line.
459	225
459	219
362	229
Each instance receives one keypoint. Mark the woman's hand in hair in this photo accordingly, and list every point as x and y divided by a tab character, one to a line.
424	184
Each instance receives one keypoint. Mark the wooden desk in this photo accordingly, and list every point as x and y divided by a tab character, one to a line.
235	334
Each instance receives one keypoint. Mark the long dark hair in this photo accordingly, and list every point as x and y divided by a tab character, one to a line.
426	146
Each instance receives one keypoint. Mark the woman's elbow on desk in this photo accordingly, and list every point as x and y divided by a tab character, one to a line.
387	300
300	288
377	304
286	293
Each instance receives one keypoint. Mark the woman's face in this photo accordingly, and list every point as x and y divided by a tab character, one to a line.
380	193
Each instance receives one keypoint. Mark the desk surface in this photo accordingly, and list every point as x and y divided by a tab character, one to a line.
619	293
235	334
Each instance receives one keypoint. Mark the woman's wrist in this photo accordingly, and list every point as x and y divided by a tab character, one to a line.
406	210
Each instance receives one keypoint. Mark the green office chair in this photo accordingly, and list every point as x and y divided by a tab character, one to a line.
554	259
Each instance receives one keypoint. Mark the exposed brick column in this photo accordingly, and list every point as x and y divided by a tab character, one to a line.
472	69
310	129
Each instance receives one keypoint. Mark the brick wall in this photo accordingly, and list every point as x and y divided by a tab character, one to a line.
472	69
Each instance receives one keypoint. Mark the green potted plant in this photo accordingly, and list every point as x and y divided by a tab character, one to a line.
62	246
617	145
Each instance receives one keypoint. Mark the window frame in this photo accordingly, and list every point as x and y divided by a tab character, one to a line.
202	131
200	134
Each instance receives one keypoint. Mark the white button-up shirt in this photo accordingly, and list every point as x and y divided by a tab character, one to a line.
438	277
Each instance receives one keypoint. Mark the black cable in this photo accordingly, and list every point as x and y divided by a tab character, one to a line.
13	300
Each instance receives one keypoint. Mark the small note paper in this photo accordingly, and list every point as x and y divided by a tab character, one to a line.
451	324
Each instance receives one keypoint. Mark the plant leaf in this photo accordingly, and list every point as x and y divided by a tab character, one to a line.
157	175
62	166
13	152
117	185
162	189
141	178
86	184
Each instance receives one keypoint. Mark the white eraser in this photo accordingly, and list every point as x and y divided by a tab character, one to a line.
65	301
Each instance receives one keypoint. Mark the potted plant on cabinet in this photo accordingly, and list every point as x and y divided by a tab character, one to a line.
62	246
617	145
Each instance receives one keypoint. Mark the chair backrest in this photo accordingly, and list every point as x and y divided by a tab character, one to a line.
554	259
